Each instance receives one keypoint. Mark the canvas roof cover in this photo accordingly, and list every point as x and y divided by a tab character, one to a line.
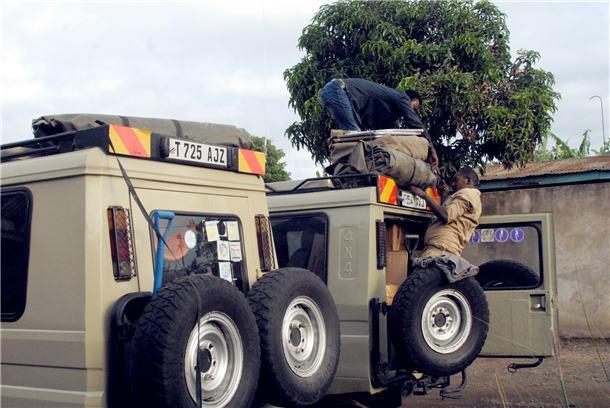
225	135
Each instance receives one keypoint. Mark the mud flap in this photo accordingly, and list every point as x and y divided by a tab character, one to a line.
124	313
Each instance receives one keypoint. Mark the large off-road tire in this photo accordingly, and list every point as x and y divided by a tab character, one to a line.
437	327
163	351
298	326
504	273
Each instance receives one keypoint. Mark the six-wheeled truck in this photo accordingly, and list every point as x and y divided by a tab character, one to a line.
143	269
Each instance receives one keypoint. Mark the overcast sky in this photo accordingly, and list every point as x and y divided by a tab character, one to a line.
222	61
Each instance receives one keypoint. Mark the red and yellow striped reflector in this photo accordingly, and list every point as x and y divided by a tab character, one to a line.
387	190
130	141
433	192
250	161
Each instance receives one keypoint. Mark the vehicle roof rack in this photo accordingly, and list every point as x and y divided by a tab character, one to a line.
314	184
386	189
59	143
140	144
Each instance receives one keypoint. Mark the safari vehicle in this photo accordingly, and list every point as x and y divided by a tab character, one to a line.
117	242
359	236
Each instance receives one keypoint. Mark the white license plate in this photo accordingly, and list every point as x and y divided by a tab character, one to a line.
180	149
407	199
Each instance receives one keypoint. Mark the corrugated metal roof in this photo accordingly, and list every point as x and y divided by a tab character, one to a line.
544	168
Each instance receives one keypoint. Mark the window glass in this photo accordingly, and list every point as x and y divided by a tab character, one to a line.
293	240
203	244
508	256
16	219
301	242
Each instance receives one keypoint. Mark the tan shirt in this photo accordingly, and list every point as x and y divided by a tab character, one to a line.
463	212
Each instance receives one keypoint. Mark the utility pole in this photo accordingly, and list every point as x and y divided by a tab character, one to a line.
601	103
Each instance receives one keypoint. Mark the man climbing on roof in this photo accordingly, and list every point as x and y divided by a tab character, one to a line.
456	219
358	104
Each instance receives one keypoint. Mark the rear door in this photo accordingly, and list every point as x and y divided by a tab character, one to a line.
515	254
207	236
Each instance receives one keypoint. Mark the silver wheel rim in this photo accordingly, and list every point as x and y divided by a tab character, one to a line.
446	321
303	336
222	359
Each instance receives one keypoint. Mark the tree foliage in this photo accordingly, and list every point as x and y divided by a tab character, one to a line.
479	105
275	168
604	149
561	149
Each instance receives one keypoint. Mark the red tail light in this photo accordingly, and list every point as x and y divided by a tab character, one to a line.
265	243
121	243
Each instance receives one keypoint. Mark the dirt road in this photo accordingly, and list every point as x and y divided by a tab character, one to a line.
490	385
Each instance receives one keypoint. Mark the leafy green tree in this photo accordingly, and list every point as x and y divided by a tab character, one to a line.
561	149
604	149
479	105
275	168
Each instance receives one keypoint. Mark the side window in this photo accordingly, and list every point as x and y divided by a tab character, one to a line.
300	241
204	244
509	256
16	220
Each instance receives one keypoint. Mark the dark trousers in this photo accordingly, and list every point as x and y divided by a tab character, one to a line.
337	103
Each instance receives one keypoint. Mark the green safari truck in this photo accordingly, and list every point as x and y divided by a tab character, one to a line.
406	330
150	269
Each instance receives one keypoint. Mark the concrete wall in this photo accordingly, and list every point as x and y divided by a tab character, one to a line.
582	247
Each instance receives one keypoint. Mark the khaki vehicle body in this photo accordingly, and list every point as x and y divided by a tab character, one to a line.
522	321
56	352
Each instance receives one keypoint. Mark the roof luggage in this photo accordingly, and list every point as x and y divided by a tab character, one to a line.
225	135
398	153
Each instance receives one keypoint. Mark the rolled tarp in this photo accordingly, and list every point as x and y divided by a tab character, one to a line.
366	157
403	168
212	133
407	141
340	151
414	146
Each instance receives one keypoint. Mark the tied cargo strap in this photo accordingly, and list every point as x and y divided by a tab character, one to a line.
134	194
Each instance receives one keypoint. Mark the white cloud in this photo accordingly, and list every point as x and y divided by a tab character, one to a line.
300	164
19	80
15	69
269	9
222	61
246	82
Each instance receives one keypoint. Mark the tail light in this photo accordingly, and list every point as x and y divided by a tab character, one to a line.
121	243
265	243
382	255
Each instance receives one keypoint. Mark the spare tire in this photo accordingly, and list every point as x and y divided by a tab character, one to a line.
504	273
163	354
437	327
299	333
